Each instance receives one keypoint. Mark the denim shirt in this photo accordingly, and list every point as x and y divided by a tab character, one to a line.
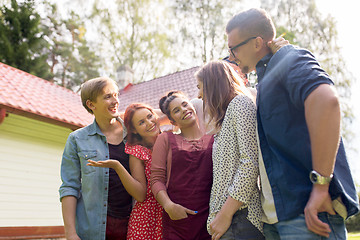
285	80
88	184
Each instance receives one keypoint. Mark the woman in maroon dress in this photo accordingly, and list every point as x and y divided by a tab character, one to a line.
181	171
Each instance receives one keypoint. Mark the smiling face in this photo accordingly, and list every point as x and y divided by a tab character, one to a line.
182	112
145	123
107	102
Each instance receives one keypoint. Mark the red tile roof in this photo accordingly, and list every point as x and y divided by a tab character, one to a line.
150	92
27	95
24	94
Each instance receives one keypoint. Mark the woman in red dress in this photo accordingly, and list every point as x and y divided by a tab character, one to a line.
142	123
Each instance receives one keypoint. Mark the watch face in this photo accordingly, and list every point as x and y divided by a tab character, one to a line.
313	178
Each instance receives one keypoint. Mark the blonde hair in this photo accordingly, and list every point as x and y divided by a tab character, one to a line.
92	88
221	83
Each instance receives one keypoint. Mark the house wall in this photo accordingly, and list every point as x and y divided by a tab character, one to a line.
30	157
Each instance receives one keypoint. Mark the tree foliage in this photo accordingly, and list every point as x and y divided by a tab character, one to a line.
306	27
132	33
202	27
70	57
22	41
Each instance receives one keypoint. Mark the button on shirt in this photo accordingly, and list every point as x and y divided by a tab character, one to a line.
285	80
88	184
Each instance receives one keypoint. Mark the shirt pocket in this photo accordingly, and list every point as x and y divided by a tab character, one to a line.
84	156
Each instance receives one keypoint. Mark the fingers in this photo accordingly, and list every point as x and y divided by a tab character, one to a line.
215	236
188	211
315	225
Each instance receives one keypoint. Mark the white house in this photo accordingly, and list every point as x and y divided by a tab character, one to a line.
36	117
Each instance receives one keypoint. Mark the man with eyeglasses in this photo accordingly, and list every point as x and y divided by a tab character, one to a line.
307	187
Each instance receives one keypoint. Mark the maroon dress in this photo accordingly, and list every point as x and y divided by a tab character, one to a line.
190	186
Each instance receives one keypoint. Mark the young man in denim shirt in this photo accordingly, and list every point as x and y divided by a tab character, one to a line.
95	204
307	188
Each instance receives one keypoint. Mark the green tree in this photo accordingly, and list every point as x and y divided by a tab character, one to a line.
306	27
22	43
202	27
133	33
70	57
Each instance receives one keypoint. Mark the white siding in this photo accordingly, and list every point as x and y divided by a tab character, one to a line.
30	157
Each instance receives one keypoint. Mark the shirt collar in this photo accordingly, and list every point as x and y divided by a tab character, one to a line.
94	128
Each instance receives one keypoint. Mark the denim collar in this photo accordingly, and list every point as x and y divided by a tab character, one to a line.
94	128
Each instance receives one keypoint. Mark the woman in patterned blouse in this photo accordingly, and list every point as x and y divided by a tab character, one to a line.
235	209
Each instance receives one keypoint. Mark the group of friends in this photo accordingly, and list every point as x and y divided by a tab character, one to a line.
242	165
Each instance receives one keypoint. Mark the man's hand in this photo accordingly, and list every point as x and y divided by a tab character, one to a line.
319	201
72	236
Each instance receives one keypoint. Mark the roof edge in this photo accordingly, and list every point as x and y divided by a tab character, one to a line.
72	126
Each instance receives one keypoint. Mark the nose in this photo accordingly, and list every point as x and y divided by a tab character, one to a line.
148	121
115	98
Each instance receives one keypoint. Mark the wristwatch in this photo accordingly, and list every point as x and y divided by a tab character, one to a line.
317	178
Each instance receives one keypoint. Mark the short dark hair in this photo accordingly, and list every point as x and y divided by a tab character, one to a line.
253	22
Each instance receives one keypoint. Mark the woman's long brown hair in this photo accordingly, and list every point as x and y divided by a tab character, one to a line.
220	85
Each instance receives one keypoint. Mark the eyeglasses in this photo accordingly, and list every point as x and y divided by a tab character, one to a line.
227	60
239	45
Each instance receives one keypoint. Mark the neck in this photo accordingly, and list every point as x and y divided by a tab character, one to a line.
192	132
107	125
149	142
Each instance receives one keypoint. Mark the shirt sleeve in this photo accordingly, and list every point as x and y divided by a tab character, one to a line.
70	170
243	118
159	165
304	75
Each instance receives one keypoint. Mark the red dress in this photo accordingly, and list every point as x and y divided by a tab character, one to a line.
145	221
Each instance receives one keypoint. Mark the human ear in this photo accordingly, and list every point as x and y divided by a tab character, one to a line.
90	104
259	42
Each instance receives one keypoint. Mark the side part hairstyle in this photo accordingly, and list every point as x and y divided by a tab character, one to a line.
132	137
254	22
165	101
220	85
92	88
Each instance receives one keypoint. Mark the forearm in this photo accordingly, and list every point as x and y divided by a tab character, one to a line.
132	186
163	198
68	205
230	207
322	113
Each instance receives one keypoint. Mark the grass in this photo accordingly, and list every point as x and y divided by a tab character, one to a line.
354	236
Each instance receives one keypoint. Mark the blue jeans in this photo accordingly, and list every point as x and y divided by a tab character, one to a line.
295	229
241	228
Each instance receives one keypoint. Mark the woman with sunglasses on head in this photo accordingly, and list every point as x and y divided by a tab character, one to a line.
235	209
143	128
181	173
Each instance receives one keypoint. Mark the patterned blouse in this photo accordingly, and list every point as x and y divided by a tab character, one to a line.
235	161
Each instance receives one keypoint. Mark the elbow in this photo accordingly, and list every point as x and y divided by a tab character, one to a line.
140	198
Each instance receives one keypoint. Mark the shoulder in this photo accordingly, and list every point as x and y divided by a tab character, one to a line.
241	102
82	131
138	151
162	139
